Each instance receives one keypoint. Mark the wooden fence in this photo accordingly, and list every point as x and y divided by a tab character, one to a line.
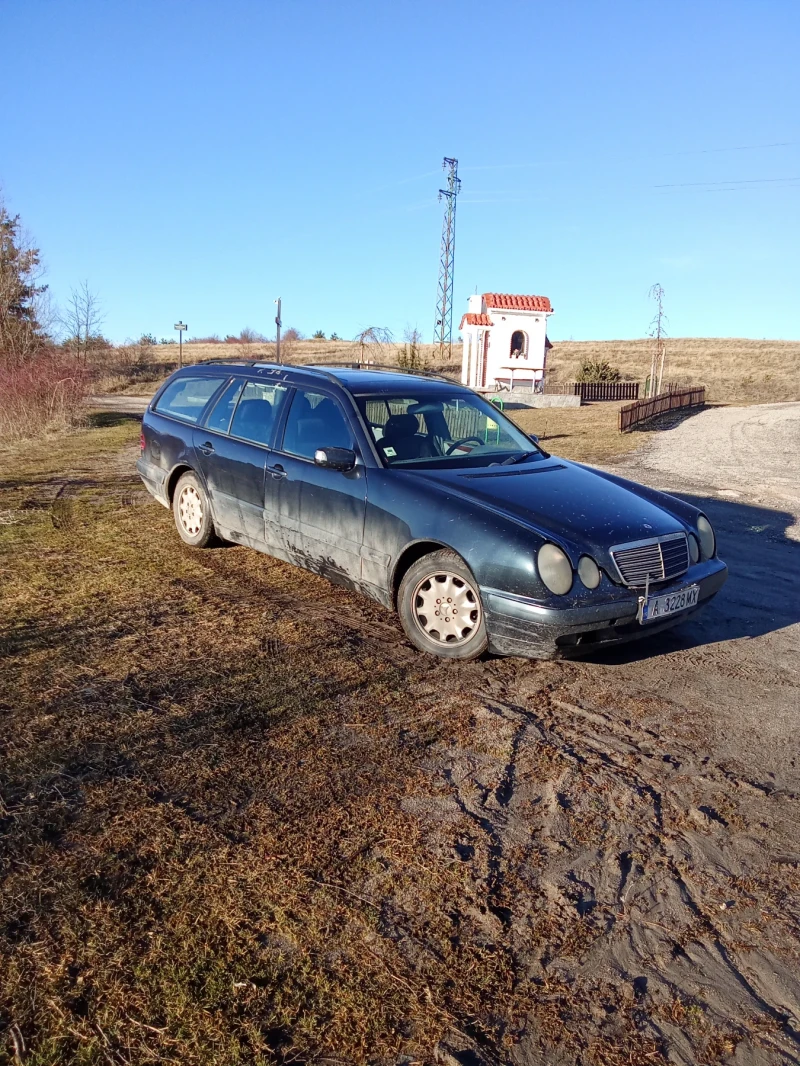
635	413
595	391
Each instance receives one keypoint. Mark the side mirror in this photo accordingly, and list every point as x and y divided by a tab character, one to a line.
534	438
335	458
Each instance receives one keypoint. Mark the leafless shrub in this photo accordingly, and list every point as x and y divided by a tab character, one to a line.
45	394
251	336
411	356
370	342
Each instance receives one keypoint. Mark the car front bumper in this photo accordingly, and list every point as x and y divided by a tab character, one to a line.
520	626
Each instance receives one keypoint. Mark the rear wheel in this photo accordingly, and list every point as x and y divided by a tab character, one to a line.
191	512
440	607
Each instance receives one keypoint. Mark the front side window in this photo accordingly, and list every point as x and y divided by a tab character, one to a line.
257	411
315	421
187	397
428	427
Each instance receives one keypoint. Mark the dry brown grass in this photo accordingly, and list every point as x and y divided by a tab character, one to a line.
202	796
732	369
210	764
587	434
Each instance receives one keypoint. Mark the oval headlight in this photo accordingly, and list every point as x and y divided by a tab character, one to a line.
708	544
588	572
694	549
555	569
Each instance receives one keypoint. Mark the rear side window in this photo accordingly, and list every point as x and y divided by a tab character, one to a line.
220	417
186	398
257	411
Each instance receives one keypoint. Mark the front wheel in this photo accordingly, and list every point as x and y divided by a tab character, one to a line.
191	512
440	607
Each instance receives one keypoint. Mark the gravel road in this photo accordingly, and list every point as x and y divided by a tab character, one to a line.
125	405
746	453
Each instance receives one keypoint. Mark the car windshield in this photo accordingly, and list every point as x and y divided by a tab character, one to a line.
430	428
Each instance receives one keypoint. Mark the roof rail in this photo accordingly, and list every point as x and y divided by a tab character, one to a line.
321	368
263	363
387	368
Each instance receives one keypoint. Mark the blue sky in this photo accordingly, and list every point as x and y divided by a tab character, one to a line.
198	159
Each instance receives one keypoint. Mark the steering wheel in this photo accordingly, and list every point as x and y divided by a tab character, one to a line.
462	440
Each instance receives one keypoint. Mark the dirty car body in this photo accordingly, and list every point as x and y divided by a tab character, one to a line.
358	474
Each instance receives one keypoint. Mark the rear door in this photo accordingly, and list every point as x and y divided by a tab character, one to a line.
233	449
321	511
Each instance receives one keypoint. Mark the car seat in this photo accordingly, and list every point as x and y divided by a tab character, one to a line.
401	434
253	420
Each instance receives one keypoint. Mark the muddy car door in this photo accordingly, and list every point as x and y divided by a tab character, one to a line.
233	451
321	509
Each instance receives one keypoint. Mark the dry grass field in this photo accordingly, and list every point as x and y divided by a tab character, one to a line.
733	370
243	821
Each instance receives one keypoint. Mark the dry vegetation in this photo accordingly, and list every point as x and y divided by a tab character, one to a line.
242	821
734	370
587	434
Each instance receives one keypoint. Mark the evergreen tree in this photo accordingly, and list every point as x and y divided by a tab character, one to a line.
20	269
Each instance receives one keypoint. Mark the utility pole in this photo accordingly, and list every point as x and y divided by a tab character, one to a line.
658	333
278	331
180	327
443	330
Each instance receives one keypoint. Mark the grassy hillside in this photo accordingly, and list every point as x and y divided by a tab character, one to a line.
732	369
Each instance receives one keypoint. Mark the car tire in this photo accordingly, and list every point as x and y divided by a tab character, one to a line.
440	607
192	512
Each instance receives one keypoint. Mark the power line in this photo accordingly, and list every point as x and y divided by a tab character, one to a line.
737	181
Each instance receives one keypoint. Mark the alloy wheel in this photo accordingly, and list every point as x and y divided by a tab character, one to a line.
190	509
446	608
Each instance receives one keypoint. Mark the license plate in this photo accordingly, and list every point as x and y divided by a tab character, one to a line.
657	607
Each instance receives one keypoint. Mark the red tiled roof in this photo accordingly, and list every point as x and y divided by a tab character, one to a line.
507	301
475	320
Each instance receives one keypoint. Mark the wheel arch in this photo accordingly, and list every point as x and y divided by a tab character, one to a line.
174	477
409	555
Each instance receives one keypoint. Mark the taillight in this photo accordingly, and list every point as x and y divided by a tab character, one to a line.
141	442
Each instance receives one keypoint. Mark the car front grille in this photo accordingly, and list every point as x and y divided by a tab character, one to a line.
659	560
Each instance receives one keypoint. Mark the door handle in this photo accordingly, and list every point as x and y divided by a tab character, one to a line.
277	472
207	448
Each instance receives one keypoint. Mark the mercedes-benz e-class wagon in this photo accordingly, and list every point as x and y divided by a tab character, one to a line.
421	494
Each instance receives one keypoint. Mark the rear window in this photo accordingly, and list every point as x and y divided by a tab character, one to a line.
187	397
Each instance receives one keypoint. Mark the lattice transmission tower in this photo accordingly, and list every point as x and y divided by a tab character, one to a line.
443	330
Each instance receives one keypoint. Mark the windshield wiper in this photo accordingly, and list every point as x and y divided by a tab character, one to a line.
513	459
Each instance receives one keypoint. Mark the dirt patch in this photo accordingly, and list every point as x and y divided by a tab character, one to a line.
241	819
739	452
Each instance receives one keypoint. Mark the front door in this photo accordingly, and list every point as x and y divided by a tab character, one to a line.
321	511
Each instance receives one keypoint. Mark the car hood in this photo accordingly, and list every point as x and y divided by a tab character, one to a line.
563	500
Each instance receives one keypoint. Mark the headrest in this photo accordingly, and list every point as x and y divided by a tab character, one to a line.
401	426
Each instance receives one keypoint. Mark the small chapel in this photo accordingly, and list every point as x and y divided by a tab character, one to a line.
505	341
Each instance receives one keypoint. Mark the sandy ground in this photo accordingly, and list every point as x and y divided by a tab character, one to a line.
748	453
687	901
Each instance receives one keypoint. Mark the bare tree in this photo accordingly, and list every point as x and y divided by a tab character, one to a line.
658	333
82	319
371	342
